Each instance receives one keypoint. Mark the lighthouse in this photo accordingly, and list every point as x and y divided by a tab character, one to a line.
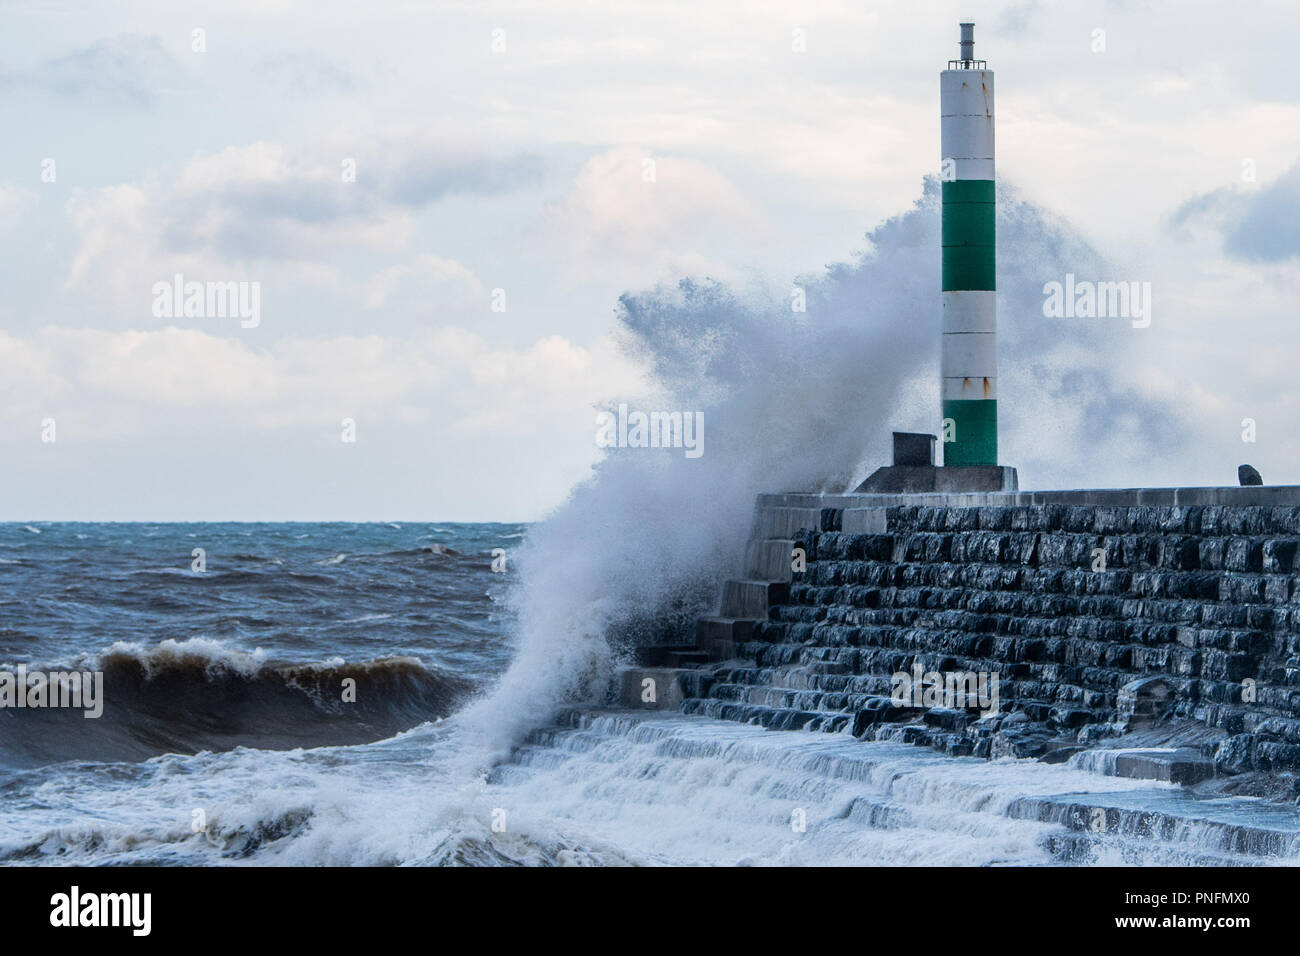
968	355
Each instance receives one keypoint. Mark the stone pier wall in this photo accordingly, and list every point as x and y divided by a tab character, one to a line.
1163	616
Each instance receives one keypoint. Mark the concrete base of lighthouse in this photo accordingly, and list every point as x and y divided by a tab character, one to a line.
914	472
918	479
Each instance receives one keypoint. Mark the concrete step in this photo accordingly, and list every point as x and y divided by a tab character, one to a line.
656	655
770	559
864	521
723	638
737	630
789	697
751	599
1224	825
650	688
784	522
1083	848
691	658
1170	764
718	649
773	718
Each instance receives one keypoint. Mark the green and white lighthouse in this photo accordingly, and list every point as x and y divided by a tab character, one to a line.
968	362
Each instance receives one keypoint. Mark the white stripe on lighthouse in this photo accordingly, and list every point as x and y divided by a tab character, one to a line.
966	121
969	355
970	311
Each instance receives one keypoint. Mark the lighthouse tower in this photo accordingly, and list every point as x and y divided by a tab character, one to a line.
968	351
968	362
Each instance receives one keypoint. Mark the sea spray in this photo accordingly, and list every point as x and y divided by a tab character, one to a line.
796	401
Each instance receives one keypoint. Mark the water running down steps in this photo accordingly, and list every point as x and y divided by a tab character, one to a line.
675	789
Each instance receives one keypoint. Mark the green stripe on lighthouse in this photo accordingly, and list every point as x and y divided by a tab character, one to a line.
968	235
975	432
967	268
967	190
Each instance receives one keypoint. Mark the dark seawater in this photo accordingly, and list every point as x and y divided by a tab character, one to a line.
254	649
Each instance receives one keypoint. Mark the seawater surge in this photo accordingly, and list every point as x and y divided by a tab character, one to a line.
677	789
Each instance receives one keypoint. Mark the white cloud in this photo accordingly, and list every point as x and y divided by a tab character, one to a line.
127	69
243	210
15	202
649	217
262	212
113	383
443	284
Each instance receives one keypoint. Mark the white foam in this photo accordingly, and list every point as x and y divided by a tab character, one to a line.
656	790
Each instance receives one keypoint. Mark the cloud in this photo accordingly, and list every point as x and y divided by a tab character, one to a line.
230	215
417	168
260	202
14	203
642	217
127	69
441	284
767	161
307	73
247	212
116	384
1256	225
1018	17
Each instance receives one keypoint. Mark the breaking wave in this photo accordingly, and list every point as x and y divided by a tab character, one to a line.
198	695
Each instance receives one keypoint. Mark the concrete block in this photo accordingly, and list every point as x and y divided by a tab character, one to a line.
784	522
735	630
865	521
913	448
960	479
1179	765
976	478
650	688
770	559
751	599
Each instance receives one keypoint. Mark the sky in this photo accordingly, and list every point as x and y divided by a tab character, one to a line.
445	207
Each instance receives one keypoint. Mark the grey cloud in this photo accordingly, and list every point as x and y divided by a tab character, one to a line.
307	73
269	218
1259	225
130	68
1018	17
428	177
